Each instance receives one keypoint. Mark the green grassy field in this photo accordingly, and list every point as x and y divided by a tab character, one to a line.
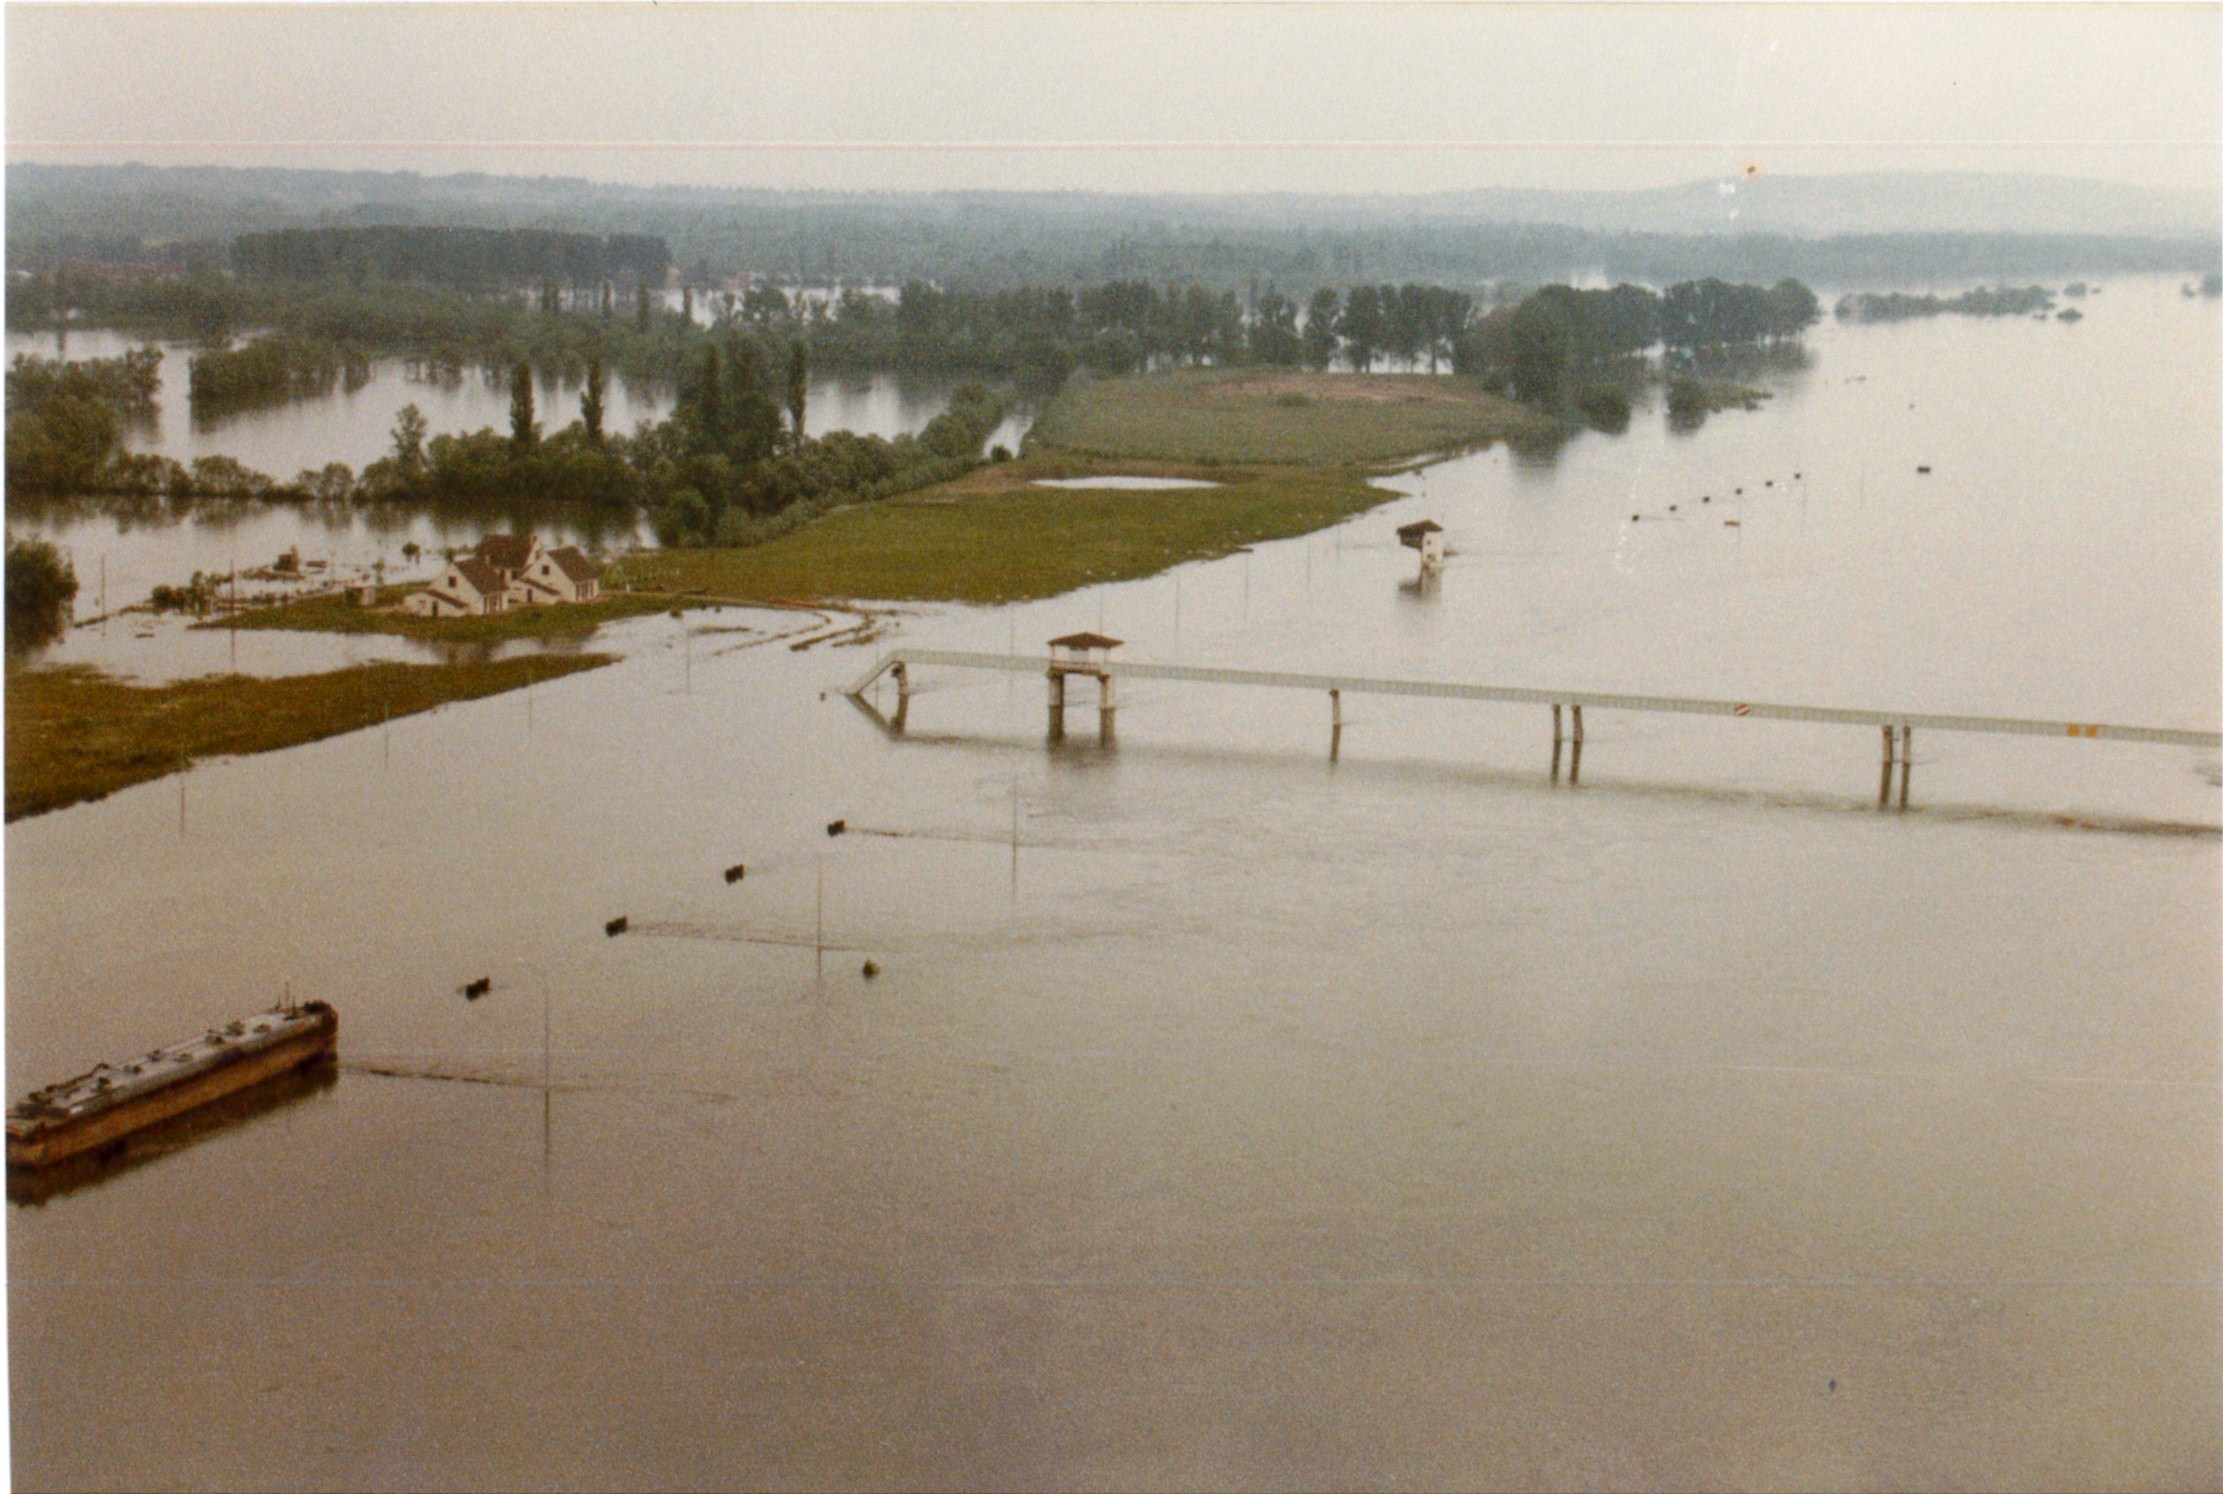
1281	416
334	613
75	734
993	537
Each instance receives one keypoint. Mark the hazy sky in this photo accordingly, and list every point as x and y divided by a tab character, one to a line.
1128	97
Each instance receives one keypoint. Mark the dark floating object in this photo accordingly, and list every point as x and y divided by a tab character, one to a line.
836	827
478	988
1707	499
870	970
1671	508
1732	524
1798	474
614	927
1636	518
1740	490
1769	483
735	873
1921	469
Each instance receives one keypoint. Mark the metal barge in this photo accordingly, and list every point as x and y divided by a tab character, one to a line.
111	1101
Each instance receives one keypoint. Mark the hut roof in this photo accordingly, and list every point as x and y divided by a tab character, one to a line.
1422	526
1084	640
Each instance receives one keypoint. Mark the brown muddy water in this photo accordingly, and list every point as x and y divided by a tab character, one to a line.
1399	1121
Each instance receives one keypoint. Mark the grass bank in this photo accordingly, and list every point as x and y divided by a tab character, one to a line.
993	536
75	734
336	613
1282	416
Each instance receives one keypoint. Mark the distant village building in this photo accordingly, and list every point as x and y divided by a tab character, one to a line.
509	570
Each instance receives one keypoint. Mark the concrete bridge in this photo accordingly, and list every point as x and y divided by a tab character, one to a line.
1897	727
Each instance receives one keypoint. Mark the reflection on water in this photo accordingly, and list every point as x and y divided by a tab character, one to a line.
1222	1113
260	1104
355	424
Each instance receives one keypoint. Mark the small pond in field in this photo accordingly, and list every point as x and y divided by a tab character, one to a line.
1136	484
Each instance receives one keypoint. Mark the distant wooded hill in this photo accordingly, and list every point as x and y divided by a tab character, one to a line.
1848	231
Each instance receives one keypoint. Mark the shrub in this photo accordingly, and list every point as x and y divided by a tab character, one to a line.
1686	401
42	586
1606	407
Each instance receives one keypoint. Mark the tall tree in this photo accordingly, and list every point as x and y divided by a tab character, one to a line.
798	385
409	438
590	403
1320	328
523	431
1364	326
640	308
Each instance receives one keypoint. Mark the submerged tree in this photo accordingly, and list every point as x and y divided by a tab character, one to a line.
409	438
41	588
523	431
590	403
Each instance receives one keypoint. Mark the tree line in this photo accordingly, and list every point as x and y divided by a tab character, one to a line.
460	258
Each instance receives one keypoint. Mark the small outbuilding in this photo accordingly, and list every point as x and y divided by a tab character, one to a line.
1083	650
1081	653
1426	536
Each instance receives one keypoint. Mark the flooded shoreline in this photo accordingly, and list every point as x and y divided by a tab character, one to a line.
1222	1113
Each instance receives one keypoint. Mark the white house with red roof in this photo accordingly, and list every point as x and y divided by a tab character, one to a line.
560	575
508	570
469	587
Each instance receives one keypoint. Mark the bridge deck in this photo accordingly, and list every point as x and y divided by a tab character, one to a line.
1529	695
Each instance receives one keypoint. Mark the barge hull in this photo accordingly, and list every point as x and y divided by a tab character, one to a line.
114	1124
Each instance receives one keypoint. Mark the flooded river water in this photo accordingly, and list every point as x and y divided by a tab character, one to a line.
1224	1114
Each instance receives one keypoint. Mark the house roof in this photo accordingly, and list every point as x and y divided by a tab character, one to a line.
481	575
1084	640
1423	526
507	552
573	564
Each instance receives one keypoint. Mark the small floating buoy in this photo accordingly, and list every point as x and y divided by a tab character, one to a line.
1707	499
1769	483
870	970
1922	469
836	827
1740	490
1798	474
614	927
735	873
1636	518
1671	508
